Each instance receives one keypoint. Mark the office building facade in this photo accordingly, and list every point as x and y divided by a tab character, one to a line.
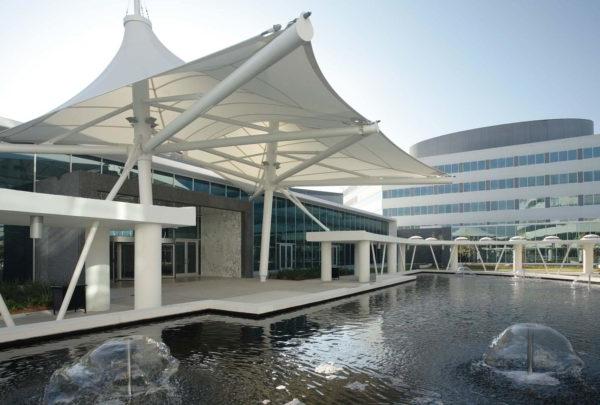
532	179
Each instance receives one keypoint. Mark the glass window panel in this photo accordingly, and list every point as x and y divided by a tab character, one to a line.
16	171
562	155
572	177
540	180
218	189
563	178
233	192
162	178
588	176
539	158
111	167
572	154
52	166
183	182
201	185
588	153
86	164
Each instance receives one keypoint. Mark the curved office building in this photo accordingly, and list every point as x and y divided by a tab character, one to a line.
533	178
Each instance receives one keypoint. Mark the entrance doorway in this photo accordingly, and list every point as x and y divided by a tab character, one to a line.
178	259
286	256
186	258
335	258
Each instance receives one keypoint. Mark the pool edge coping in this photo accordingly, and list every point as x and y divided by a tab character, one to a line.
39	331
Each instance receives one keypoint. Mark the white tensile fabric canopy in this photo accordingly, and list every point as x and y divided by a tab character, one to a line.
259	114
289	97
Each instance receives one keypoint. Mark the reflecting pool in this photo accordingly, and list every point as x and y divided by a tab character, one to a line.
421	343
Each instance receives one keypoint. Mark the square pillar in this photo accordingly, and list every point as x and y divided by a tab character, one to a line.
392	258
364	260
147	267
97	273
326	249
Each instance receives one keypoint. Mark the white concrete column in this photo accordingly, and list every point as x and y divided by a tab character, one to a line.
148	248
453	258
588	257
392	258
364	261
147	270
265	237
326	249
97	272
356	259
402	257
517	257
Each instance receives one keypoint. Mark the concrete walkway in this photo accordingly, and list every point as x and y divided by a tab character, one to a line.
240	297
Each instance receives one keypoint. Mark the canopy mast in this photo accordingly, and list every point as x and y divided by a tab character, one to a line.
137	7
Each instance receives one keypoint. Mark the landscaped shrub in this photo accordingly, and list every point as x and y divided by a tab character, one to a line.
26	295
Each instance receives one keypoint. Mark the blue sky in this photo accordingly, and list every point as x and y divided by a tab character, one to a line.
424	68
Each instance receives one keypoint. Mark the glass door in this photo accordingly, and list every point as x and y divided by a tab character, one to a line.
192	251
167	260
336	255
286	256
125	260
186	258
180	258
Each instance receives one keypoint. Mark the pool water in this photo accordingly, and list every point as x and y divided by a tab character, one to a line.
419	343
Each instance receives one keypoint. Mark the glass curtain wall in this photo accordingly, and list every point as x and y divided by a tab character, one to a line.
288	234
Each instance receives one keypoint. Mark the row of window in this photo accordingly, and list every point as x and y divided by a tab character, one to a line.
289	226
22	171
498	184
501	205
522	160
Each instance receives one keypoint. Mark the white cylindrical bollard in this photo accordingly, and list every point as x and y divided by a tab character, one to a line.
326	261
147	268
